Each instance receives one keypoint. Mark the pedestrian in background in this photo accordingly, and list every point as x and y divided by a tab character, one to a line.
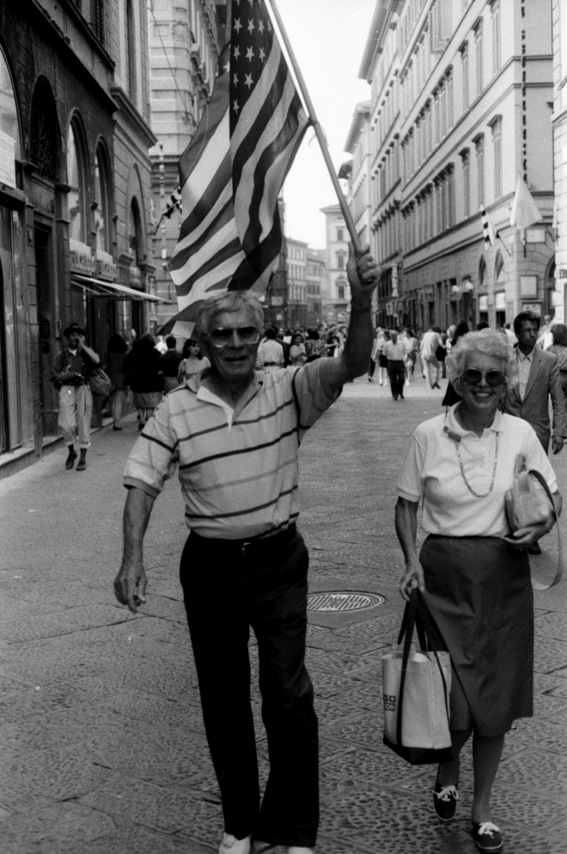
297	354
169	364
429	343
315	347
451	396
70	374
394	353
411	349
378	355
144	377
473	574
539	382
235	439
192	361
116	353
559	349
270	351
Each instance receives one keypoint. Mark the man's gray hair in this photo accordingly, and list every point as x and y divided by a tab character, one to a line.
490	342
229	301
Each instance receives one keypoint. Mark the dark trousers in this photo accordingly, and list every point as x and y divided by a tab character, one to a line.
396	375
230	586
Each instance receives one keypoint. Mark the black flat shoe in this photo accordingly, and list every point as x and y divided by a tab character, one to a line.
487	836
445	801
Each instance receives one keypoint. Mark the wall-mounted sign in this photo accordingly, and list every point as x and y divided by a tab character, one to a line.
535	235
105	266
528	287
532	306
81	258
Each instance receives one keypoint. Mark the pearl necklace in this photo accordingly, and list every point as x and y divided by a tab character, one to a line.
463	475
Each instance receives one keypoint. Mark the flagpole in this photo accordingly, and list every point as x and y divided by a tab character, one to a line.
349	221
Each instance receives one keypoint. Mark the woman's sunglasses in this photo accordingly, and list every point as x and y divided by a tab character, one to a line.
493	378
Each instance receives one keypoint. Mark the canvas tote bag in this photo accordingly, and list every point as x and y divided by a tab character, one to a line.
416	686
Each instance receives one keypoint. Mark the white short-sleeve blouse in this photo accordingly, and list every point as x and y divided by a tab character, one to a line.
442	457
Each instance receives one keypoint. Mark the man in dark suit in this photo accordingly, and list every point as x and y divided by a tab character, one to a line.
539	381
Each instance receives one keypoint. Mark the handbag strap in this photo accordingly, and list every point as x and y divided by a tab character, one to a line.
537	585
417	616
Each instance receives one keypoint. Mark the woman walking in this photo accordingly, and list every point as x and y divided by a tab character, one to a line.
473	573
144	377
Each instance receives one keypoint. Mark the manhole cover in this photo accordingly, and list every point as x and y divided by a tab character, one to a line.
343	601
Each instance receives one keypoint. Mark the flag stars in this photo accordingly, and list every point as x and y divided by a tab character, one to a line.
261	26
250	54
236	52
237	25
248	81
250	26
235	106
262	54
235	79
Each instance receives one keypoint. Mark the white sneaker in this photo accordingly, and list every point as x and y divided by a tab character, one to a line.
231	845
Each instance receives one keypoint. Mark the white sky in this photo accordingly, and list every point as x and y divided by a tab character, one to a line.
328	38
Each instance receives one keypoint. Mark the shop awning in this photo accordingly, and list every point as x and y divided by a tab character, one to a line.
100	288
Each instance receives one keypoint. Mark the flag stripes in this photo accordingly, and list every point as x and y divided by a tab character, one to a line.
232	171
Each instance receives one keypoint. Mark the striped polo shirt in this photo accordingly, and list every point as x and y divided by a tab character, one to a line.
238	468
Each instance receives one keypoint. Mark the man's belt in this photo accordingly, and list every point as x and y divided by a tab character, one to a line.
268	543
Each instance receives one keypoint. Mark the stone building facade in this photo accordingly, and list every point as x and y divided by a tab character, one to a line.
560	154
461	106
185	40
74	196
336	299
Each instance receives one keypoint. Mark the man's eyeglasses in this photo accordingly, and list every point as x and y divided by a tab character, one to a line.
222	337
472	376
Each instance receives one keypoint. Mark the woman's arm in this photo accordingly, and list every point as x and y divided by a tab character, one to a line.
406	529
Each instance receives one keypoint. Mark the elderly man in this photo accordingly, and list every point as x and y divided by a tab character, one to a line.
70	374
235	434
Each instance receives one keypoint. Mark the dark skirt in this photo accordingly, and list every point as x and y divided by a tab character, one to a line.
480	595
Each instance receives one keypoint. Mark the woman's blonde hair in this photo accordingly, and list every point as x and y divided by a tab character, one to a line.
489	342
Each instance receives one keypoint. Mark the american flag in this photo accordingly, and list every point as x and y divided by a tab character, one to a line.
234	167
488	232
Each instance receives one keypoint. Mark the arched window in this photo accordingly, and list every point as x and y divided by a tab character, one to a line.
482	274
134	232
44	131
102	198
76	198
9	123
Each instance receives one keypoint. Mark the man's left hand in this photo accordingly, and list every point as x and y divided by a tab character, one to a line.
557	444
362	273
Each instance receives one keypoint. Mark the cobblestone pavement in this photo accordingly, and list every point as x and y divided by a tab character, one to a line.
101	739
